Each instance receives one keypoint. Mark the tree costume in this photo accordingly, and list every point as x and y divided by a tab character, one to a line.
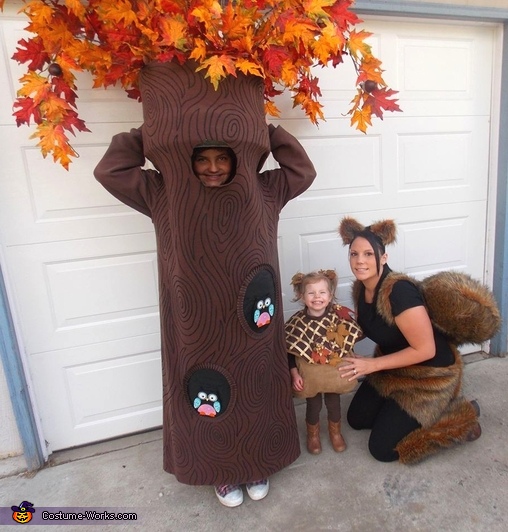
228	416
430	392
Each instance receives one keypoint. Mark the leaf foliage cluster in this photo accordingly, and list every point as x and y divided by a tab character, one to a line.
277	40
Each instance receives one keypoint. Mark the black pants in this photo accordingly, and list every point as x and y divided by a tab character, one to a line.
314	405
389	424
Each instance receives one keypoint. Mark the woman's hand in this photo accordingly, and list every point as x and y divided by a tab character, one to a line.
357	366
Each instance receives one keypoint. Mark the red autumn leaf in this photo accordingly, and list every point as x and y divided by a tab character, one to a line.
71	121
274	58
378	101
60	87
28	109
31	52
340	13
310	86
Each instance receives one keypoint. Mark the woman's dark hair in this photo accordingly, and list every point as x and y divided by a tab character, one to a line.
375	242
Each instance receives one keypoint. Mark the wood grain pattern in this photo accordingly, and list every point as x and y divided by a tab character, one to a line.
210	242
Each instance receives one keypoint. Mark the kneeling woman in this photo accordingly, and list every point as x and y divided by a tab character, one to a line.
411	398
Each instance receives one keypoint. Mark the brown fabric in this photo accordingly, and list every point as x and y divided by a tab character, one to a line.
322	378
214	245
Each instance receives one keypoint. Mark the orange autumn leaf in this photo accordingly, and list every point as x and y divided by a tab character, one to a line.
271	109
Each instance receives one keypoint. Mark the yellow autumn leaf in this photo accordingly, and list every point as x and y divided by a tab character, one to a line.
315	7
356	44
76	7
34	85
198	53
119	11
173	32
40	15
371	68
328	43
289	74
218	67
53	107
207	11
361	117
248	67
296	30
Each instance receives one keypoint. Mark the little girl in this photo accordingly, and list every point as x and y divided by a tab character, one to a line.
317	337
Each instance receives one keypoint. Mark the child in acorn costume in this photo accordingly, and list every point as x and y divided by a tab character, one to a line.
317	337
411	396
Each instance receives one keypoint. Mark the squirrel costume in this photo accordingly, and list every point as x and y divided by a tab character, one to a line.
461	310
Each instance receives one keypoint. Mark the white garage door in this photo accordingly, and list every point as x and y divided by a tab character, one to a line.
81	267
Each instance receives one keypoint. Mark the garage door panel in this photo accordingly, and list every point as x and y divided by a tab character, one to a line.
50	203
89	292
109	388
438	67
421	162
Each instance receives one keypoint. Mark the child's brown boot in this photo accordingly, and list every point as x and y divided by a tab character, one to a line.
313	440
336	438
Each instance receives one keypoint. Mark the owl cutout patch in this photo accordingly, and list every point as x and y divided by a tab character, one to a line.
209	392
259	303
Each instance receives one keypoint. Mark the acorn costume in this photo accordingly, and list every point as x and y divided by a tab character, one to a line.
461	310
318	345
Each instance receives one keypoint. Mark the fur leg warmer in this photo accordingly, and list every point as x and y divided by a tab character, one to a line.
454	427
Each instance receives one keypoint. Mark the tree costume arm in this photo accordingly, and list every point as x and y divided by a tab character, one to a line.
296	169
120	173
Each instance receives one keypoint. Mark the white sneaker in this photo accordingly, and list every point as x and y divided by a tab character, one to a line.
258	490
229	495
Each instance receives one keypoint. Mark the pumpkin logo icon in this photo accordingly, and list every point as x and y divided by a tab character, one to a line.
23	513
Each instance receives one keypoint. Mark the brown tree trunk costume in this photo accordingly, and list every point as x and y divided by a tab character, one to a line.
228	411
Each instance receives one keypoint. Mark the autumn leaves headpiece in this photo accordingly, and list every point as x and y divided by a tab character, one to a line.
384	231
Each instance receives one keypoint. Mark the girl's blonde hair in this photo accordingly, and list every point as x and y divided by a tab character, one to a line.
300	281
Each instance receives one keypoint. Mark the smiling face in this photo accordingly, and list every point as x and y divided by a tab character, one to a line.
362	260
317	296
213	166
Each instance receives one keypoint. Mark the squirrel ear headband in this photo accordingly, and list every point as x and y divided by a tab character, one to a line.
384	230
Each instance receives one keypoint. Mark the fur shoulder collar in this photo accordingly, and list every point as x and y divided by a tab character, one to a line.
382	297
